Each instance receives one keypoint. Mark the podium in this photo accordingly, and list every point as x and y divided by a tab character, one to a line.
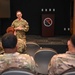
48	25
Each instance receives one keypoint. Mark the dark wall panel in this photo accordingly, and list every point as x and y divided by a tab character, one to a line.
4	8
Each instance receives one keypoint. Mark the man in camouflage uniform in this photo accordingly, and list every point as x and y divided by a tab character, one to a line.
62	62
20	25
11	58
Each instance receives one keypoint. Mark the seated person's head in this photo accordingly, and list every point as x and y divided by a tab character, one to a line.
9	41
73	40
10	29
71	43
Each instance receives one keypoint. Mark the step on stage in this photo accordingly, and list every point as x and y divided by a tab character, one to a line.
59	43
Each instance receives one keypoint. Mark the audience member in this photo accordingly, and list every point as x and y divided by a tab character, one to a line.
21	45
20	26
62	62
11	58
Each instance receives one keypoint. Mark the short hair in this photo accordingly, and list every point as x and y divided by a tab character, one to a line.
72	38
18	11
9	40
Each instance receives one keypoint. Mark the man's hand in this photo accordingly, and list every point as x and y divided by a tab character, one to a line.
19	28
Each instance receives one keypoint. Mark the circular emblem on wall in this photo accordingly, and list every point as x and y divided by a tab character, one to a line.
47	22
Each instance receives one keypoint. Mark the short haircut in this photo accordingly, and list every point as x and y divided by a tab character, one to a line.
18	12
73	39
9	40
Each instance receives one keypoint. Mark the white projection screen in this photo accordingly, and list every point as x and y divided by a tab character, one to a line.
4	8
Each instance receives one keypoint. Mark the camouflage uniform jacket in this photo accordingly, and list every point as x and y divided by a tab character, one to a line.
16	60
24	24
61	62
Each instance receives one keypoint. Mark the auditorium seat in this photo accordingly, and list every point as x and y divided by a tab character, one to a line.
42	58
31	48
16	71
70	71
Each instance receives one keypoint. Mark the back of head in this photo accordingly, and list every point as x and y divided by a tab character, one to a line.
10	29
73	40
9	40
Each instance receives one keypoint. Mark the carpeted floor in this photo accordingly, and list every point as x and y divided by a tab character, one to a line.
48	40
59	43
